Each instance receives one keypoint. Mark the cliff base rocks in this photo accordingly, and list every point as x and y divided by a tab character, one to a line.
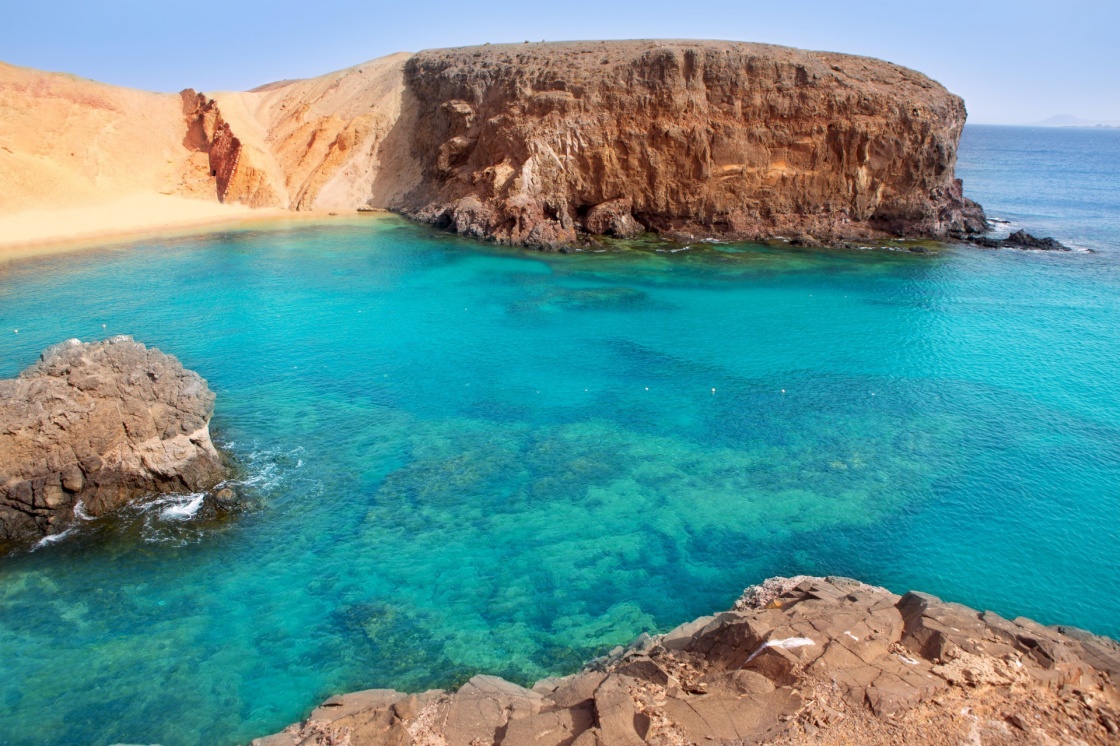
797	661
97	425
1020	239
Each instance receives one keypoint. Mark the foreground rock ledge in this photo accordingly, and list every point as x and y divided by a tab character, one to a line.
93	426
798	660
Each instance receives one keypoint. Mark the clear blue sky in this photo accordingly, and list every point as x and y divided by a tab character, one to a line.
1014	62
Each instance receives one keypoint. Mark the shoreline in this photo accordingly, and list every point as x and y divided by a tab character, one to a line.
36	233
802	660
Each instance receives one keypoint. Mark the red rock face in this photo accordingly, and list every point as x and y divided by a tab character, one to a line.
523	144
237	180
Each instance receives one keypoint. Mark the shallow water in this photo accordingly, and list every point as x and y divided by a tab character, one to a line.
459	459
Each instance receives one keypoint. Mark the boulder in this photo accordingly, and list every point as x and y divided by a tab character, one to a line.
93	426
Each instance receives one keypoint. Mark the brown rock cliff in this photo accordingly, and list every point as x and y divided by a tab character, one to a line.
525	144
539	144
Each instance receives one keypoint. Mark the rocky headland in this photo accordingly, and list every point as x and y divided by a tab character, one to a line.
800	660
535	144
93	426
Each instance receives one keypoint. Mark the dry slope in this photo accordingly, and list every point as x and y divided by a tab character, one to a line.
66	141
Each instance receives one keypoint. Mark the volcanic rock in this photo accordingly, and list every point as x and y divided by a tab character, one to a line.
530	144
1020	239
97	425
799	660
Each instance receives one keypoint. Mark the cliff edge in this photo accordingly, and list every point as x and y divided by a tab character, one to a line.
536	144
92	426
797	661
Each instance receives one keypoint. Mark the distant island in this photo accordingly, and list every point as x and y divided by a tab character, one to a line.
1068	120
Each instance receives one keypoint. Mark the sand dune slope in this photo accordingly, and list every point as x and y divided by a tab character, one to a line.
68	142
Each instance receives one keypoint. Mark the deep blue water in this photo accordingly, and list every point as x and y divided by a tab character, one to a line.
458	458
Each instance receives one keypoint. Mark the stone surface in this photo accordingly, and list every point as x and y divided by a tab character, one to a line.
98	425
799	661
536	144
1020	239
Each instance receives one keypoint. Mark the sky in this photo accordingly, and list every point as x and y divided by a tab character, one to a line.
1013	62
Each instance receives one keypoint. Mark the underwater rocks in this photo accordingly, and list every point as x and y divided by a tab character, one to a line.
798	660
543	144
93	426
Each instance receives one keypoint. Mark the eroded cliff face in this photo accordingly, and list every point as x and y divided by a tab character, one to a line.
531	144
334	142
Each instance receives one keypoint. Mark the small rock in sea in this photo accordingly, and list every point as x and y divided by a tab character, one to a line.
919	250
1020	239
98	425
225	495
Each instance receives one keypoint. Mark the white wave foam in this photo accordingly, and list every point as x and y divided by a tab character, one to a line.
182	507
52	539
80	512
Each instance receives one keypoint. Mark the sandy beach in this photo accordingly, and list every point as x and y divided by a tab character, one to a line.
49	231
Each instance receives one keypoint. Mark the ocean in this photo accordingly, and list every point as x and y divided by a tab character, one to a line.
456	458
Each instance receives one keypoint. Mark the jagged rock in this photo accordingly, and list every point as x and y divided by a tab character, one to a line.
100	424
799	660
237	170
613	218
1020	239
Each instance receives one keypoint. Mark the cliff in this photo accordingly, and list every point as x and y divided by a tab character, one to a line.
532	144
536	143
98	425
797	661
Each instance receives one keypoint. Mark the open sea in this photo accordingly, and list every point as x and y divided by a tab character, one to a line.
456	458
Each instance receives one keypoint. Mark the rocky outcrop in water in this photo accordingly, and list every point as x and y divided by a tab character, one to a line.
1020	239
797	661
98	425
531	144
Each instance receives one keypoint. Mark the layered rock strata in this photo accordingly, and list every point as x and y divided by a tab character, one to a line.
536	144
92	426
798	660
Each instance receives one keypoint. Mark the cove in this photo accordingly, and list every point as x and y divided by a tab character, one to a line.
459	458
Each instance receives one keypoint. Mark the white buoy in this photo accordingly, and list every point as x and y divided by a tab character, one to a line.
783	391
713	391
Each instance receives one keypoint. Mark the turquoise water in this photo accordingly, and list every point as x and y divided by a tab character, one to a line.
457	458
